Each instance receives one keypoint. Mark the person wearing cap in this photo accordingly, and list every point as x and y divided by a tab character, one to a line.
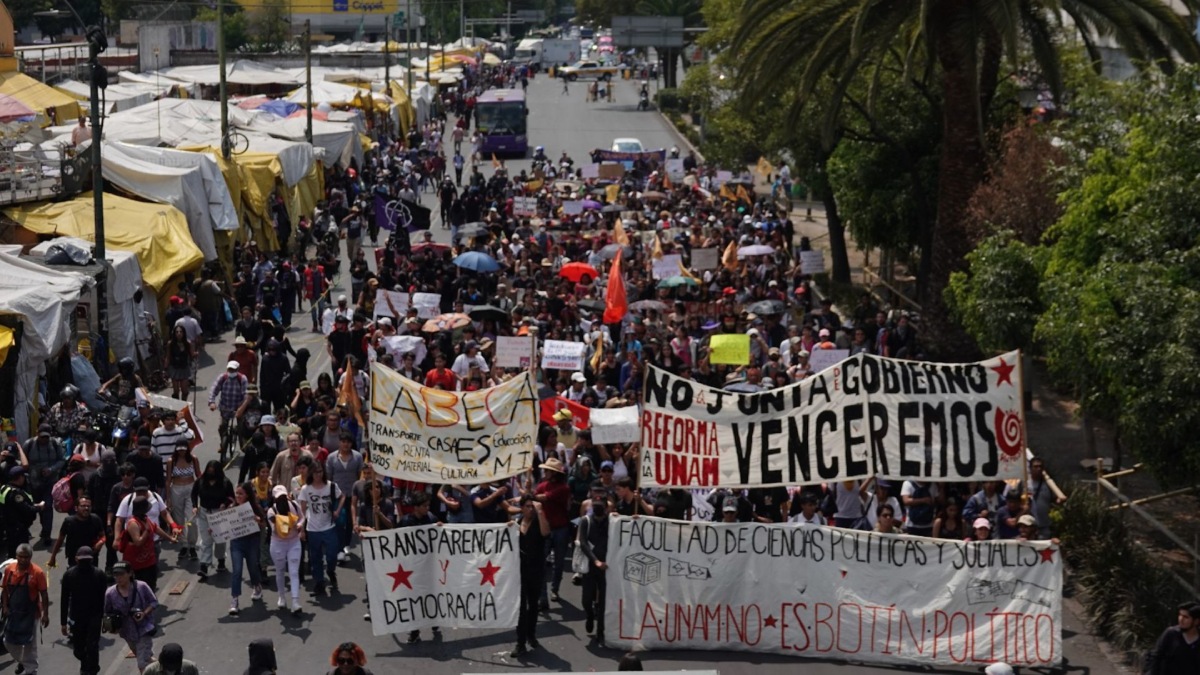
555	497
18	508
46	463
824	340
342	310
578	388
136	604
286	522
81	607
981	530
245	357
729	510
171	662
227	394
1027	527
24	602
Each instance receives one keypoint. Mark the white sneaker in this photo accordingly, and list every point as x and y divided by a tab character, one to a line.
346	550
342	557
281	603
233	608
257	595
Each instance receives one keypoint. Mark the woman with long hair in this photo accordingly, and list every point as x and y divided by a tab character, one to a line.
535	531
181	354
212	493
182	471
244	550
287	524
320	502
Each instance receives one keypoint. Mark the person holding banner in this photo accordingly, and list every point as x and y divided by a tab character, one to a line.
286	524
535	530
419	516
555	496
593	541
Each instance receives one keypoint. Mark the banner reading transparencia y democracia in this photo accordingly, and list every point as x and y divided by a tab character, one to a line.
865	416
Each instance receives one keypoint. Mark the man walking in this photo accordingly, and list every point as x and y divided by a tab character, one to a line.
1178	649
82	607
24	601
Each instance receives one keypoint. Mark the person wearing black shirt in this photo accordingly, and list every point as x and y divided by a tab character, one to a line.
118	492
148	465
770	504
83	529
593	540
419	516
339	344
488	502
1178	649
535	530
81	607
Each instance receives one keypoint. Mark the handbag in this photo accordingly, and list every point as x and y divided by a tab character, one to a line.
112	622
579	560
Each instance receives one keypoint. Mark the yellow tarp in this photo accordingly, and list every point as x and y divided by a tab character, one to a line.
402	100
156	233
6	341
55	106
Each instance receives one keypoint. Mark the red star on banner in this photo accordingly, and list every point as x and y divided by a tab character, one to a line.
400	576
1003	372
1047	555
770	621
489	574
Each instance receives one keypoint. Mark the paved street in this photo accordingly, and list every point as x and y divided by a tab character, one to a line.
196	616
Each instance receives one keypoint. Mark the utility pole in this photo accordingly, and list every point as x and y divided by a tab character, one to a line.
308	136
387	71
222	95
408	48
508	31
97	43
462	20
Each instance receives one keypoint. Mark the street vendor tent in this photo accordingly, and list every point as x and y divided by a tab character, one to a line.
116	97
237	72
44	300
55	106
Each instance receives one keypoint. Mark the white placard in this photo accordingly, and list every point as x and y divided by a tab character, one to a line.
616	425
668	266
589	171
675	170
706	258
812	262
829	593
450	576
428	305
820	359
399	303
562	355
514	352
230	524
525	206
722	178
572	207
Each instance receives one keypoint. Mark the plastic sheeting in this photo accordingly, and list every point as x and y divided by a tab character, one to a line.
57	107
220	208
116	97
237	72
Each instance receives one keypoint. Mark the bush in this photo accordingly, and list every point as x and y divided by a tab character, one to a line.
1128	597
670	99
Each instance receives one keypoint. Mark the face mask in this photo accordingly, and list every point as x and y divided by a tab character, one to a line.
599	510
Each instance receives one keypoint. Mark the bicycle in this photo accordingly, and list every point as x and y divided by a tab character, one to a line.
230	443
236	142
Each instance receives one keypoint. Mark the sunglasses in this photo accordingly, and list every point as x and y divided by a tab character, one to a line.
345	661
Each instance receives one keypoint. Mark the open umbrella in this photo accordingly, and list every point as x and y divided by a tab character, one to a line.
593	305
575	271
473	229
653	196
646	305
488	312
609	252
755	249
443	322
767	307
477	262
592	204
612	208
676	281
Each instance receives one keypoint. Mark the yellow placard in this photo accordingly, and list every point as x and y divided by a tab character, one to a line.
733	350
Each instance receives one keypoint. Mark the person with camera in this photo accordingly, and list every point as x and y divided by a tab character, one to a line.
129	607
81	604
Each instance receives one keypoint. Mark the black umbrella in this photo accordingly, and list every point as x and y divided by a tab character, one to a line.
486	312
473	229
609	252
594	305
767	307
612	208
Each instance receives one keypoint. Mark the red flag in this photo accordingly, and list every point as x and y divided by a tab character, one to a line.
553	404
616	306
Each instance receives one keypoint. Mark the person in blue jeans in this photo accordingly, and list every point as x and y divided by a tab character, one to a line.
321	501
244	550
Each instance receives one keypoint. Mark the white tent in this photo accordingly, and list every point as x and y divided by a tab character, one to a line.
238	72
338	140
220	210
116	97
45	302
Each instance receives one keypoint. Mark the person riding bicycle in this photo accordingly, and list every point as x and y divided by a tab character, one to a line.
250	413
125	383
66	415
227	394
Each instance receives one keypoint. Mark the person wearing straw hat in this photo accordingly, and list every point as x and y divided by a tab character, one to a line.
555	497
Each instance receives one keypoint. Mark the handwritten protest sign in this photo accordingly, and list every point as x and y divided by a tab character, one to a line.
435	436
428	305
667	266
819	591
232	523
514	352
525	206
616	425
391	303
572	207
675	170
705	258
820	359
451	576
733	350
866	416
562	355
812	262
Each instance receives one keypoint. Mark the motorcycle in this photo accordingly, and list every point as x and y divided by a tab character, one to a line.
122	420
644	101
674	152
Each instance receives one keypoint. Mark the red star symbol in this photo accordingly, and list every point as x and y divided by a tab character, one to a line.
400	576
1047	555
489	574
1003	372
843	574
770	621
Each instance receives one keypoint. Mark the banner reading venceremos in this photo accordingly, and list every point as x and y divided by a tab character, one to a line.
865	416
832	593
435	436
450	576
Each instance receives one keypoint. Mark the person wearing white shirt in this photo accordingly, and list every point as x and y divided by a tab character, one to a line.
578	388
468	359
331	315
809	516
141	488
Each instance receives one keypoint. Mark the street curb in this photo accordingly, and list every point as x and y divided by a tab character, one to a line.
682	138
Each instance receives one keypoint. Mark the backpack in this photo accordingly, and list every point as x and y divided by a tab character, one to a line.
62	496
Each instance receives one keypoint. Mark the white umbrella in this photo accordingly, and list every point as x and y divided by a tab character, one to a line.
755	249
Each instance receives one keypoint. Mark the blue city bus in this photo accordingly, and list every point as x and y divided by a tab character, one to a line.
500	117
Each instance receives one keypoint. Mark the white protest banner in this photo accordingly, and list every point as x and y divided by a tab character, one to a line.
820	359
391	303
399	345
572	207
514	352
675	170
615	425
812	262
450	576
722	178
232	523
667	266
866	416
428	305
435	436
589	171
702	510
705	258
831	593
562	355
525	206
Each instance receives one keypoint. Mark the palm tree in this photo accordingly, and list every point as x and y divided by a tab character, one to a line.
963	43
692	17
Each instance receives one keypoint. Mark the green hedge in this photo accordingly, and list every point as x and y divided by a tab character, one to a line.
670	99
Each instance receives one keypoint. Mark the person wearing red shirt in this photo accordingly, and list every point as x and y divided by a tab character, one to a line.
555	496
441	376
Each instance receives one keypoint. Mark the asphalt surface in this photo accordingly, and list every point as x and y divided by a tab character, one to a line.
194	614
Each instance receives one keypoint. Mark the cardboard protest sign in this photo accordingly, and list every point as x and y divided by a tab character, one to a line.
611	171
435	436
667	266
391	303
866	416
428	305
832	593
450	576
615	425
729	349
514	352
562	355
820	359
705	258
232	523
525	206
812	262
